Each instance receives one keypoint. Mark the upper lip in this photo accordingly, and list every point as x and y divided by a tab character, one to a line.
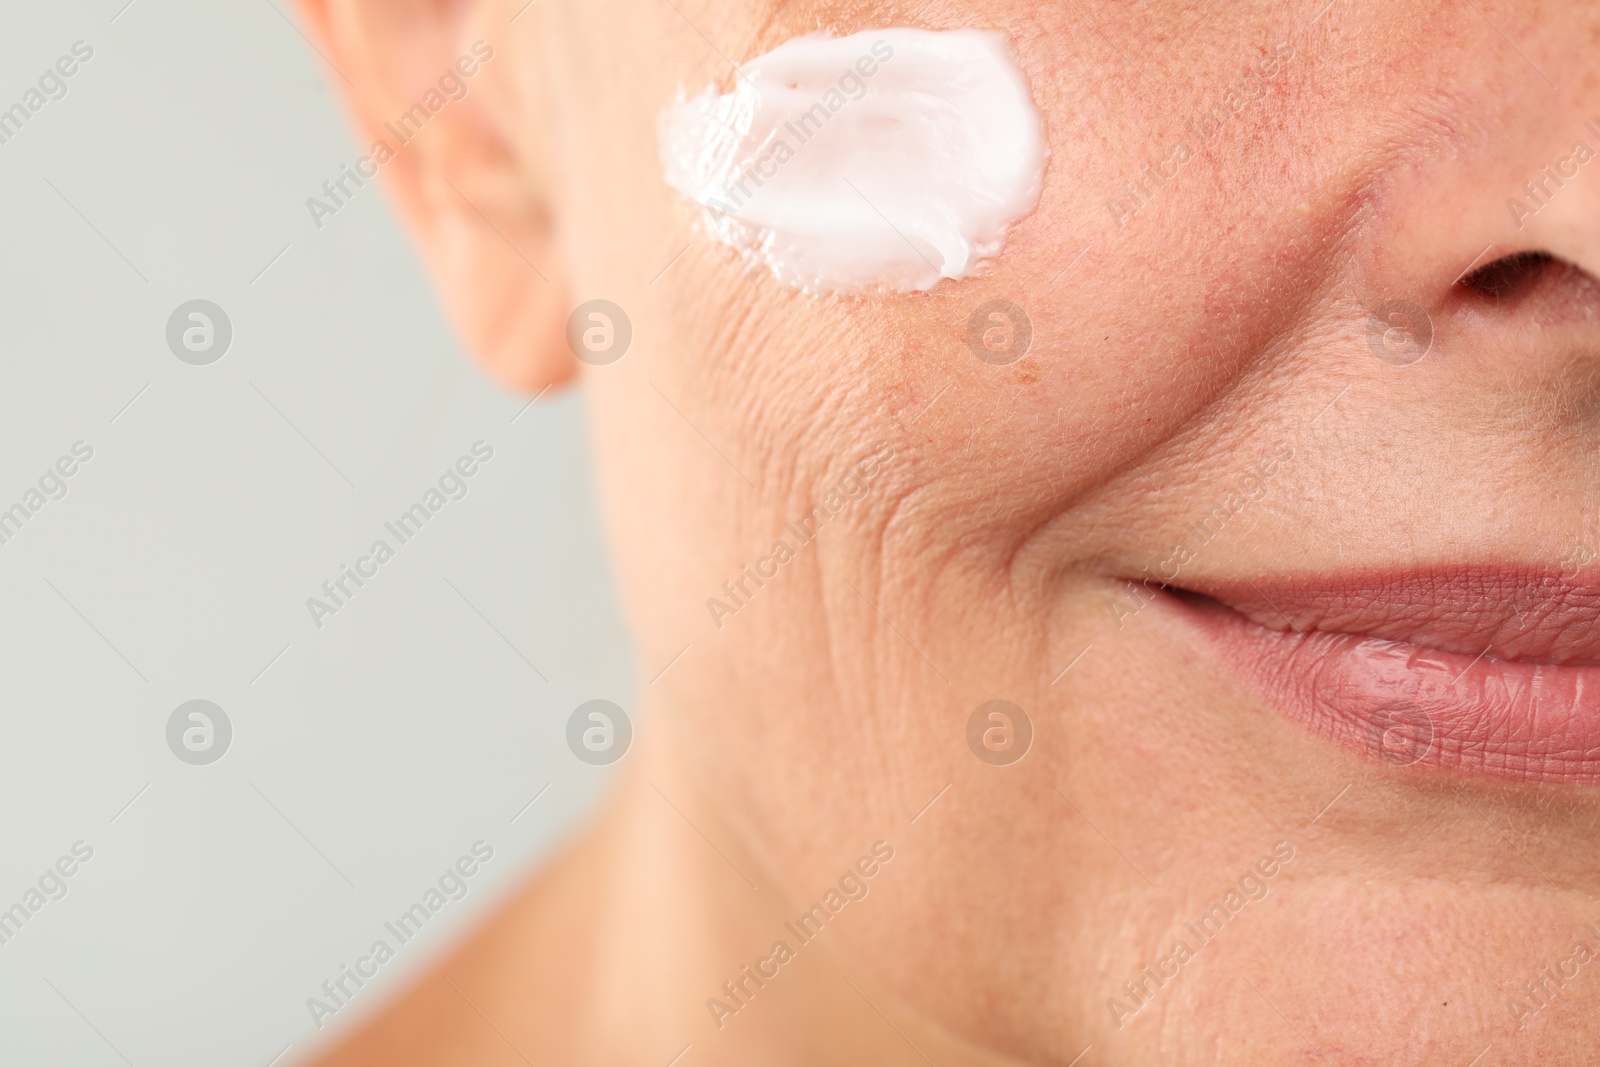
1529	614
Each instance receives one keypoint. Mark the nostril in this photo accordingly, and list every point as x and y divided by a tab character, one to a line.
1507	277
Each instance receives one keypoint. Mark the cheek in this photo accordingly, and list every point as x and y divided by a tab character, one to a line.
799	188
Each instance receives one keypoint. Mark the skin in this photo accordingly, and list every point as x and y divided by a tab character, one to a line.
1221	321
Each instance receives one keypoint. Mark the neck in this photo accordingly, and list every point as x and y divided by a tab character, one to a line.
653	939
691	942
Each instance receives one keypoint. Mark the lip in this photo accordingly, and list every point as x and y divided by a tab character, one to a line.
1476	670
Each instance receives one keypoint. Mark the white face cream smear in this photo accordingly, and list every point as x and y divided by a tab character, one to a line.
888	158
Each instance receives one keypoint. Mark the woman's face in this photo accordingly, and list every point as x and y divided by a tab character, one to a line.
1222	393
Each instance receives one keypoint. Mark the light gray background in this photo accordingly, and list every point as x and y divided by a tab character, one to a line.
370	753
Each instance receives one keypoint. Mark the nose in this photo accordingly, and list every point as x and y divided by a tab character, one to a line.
1558	209
1488	241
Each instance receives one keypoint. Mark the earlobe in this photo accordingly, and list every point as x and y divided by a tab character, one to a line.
509	307
426	82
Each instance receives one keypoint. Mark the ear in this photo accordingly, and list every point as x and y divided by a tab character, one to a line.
475	198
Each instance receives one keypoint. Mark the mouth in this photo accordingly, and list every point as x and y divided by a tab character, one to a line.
1479	671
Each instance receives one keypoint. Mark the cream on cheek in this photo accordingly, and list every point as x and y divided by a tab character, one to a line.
890	158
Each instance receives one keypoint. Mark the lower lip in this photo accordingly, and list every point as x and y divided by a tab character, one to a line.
1406	705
